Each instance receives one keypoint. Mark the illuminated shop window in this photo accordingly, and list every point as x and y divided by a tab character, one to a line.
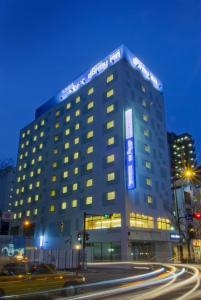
67	119
90	119
91	91
89	166
110	124
90	134
64	189
64	205
76	140
110	78
90	149
54	178
110	141
110	158
52	208
90	105
111	195
163	224
110	93
89	182
141	221
110	108
111	176
74	203
102	222
89	200
65	174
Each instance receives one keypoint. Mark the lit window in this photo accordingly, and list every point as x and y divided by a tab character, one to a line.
76	155
89	200
110	93
90	119
90	134
68	105
64	189
65	174
148	181
148	164
57	114
77	126
33	161
66	159
143	89
110	124
29	199
89	182
52	193
110	108
15	216
28	131
42	134
16	203
30	186
20	215
67	119
63	205
144	103
149	199
75	186
34	149
110	158
145	118
90	105
77	99
52	208
26	154
67	145
147	148
67	132
54	178
74	203
21	201
35	212
36	198
77	112
35	138
41	146
163	224
89	166
42	123
55	151
54	165
56	138
22	146
146	132
18	179
91	91
28	213
90	149
76	170
76	140
57	125
39	171
40	158
110	141
141	221
111	195
23	134
36	126
20	168
110	78
111	176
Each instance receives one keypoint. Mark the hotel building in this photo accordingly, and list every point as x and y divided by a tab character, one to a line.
99	146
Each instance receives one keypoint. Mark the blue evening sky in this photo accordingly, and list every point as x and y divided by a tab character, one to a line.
45	44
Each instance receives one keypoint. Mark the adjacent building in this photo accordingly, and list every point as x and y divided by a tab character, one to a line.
182	153
99	146
7	180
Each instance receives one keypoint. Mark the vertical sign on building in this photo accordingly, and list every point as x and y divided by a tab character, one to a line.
130	164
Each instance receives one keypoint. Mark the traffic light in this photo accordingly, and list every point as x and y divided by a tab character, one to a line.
197	215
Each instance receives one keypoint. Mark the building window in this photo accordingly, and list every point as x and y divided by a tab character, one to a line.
52	208
90	134
64	205
141	221
54	178
149	199
90	119
35	211
144	103
110	93
110	124
110	141
77	99
74	203
146	132
66	159
90	105
101	222
65	174
75	186
89	182
148	181
36	126
110	158
68	105
57	125
148	164
111	176
77	112
67	132
76	170
147	148
76	155
64	189
111	195
110	78
89	166
145	118
90	149
91	91
67	119
89	200
110	108
67	145
52	193
163	224
77	126
54	165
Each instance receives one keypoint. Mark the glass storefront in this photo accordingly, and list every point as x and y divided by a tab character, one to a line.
142	251
106	251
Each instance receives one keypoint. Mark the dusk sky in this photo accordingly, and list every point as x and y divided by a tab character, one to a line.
45	44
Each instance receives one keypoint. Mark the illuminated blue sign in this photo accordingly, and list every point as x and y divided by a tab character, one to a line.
174	236
113	58
130	165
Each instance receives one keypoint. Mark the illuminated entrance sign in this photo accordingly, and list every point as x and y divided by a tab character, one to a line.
130	165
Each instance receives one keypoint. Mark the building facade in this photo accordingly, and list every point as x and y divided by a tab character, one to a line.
7	180
99	146
182	153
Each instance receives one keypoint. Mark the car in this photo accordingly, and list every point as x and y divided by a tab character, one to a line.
36	280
